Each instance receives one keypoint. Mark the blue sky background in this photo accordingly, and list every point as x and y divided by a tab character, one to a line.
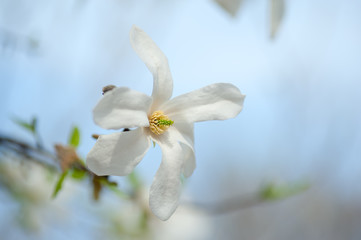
301	117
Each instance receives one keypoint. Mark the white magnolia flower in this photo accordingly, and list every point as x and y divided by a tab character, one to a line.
168	122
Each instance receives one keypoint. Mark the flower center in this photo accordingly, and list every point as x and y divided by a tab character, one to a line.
159	122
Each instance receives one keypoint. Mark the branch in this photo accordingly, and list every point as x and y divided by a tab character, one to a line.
230	205
38	155
268	192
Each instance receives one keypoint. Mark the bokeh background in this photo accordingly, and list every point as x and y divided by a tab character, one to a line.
298	62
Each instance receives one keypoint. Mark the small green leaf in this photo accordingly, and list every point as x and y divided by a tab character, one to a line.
143	221
117	191
274	192
134	180
113	186
154	144
28	126
74	137
78	174
59	184
34	123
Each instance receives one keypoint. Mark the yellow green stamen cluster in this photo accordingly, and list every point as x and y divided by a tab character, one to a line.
159	122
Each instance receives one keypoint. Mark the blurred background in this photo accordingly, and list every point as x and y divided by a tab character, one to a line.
298	62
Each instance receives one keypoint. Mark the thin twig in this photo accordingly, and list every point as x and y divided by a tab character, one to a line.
38	155
231	204
50	160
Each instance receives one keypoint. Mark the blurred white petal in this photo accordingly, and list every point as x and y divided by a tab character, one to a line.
230	6
277	13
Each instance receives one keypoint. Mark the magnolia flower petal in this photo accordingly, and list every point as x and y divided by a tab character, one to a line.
184	133
218	101
189	161
122	108
165	190
118	153
156	62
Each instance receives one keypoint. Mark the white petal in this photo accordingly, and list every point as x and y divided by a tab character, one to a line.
122	108
118	153
156	62
166	187
189	161
184	133
218	101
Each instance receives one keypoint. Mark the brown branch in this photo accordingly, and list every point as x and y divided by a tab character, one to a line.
38	155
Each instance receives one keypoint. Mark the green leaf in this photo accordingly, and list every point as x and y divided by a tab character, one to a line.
28	126
274	192
74	137
113	186
143	221
78	174
34	124
59	184
117	191
134	180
